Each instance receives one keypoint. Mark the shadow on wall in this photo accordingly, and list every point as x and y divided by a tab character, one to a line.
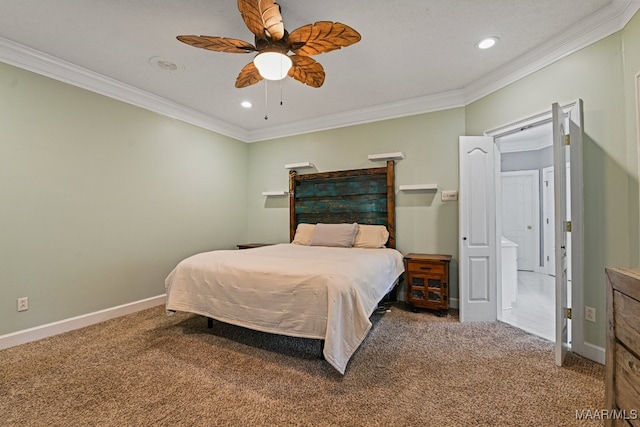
603	246
277	201
417	198
601	169
454	283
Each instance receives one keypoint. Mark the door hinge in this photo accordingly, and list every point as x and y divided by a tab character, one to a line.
568	226
568	313
567	139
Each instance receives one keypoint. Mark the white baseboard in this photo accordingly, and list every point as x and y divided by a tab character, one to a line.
593	352
39	332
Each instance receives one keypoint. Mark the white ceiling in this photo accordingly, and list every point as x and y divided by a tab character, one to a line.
415	55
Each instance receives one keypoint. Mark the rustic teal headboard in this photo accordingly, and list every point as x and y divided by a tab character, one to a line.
365	196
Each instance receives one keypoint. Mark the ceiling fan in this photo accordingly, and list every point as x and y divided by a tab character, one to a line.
273	44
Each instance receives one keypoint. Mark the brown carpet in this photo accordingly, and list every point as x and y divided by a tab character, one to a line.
414	369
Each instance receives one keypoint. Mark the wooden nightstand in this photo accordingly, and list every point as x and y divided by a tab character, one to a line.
427	281
252	245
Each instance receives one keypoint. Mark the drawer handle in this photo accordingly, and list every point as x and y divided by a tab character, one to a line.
425	268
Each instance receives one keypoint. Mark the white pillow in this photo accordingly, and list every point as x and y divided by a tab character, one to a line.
371	236
337	235
303	235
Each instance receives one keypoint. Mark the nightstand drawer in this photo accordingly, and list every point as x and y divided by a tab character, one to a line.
425	267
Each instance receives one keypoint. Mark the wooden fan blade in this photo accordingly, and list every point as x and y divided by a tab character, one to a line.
321	37
306	70
218	44
248	76
262	17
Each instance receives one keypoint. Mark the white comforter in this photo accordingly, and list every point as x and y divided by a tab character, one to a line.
305	291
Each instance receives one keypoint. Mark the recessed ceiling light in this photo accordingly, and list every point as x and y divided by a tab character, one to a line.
165	65
487	43
246	104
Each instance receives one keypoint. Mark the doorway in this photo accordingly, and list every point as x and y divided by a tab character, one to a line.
480	223
528	287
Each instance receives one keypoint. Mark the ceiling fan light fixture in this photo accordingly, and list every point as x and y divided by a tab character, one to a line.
272	65
279	53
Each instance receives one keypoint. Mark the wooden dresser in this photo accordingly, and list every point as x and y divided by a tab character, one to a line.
623	347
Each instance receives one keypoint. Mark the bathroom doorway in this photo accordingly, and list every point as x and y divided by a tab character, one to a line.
528	253
480	205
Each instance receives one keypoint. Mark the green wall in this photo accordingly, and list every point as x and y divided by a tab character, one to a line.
101	199
631	56
430	144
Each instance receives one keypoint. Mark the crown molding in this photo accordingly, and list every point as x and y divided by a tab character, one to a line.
601	24
407	107
29	59
24	57
595	27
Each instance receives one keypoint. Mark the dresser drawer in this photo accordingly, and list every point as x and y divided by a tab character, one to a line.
627	372
426	267
627	321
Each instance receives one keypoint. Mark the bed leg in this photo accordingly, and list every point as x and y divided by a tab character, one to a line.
209	322
322	349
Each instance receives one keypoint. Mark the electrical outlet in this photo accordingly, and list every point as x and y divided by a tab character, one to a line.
23	304
449	195
589	313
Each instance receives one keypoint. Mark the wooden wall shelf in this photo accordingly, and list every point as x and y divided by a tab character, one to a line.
419	187
300	165
386	156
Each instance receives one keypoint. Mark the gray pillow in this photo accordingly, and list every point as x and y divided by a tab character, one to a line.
336	235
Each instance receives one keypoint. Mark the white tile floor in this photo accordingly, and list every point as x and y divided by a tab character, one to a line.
534	308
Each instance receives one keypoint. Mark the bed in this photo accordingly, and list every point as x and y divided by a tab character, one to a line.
319	285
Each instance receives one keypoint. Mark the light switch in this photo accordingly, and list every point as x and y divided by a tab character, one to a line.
449	195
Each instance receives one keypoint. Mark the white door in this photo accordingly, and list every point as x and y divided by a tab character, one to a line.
575	212
520	215
477	204
560	200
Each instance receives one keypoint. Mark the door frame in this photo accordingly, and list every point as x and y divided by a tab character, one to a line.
577	235
549	265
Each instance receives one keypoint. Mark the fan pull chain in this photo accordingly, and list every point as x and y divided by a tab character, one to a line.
280	92
266	116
